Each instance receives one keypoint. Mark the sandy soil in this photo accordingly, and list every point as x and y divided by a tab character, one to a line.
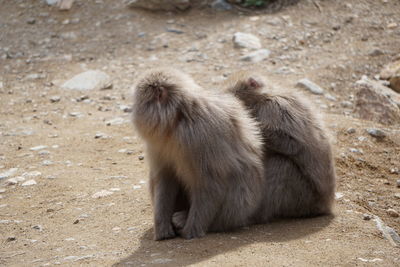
58	222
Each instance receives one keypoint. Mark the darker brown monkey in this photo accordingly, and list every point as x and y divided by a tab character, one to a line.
298	163
204	152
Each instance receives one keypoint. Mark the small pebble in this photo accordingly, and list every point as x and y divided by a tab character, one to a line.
11	238
37	148
367	217
55	99
102	193
393	213
398	183
141	157
351	130
377	133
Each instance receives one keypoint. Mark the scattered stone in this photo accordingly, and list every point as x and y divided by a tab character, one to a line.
174	30
371	260
89	80
38	227
374	105
52	2
44	153
31	21
37	148
15	180
387	232
8	173
75	114
137	187
102	193
125	108
391	25
330	97
2	190
65	5
221	5
141	157
11	238
29	183
377	133
355	150
101	136
31	174
116	121
351	130
392	213
346	104
310	86
376	52
398	183
118	177
338	195
161	261
76	221
397	195
115	189
256	56
55	99
367	217
160	5
47	162
246	40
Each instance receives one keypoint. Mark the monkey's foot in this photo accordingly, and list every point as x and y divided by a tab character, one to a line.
164	232
193	232
179	219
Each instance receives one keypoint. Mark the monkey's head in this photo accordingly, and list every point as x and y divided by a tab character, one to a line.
245	86
159	97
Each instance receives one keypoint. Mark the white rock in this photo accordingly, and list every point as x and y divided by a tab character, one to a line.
44	153
31	174
47	162
310	86
2	190
102	193
29	183
371	260
37	148
116	121
256	56
125	108
246	40
115	189
137	187
89	80
338	195
52	2
8	173
15	180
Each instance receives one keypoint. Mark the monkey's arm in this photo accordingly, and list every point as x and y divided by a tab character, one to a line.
164	192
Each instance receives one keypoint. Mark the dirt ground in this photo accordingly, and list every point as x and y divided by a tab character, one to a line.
58	222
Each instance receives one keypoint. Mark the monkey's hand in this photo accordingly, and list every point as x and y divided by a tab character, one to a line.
164	231
179	220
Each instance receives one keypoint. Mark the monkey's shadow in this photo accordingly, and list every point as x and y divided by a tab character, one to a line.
179	252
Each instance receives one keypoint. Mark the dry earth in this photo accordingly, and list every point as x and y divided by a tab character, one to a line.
57	221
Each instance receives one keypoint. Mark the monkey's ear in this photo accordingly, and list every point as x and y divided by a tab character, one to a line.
254	83
161	93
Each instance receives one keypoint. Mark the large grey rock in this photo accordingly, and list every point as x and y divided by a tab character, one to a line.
310	86
246	40
389	233
372	103
89	80
256	56
160	5
221	5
